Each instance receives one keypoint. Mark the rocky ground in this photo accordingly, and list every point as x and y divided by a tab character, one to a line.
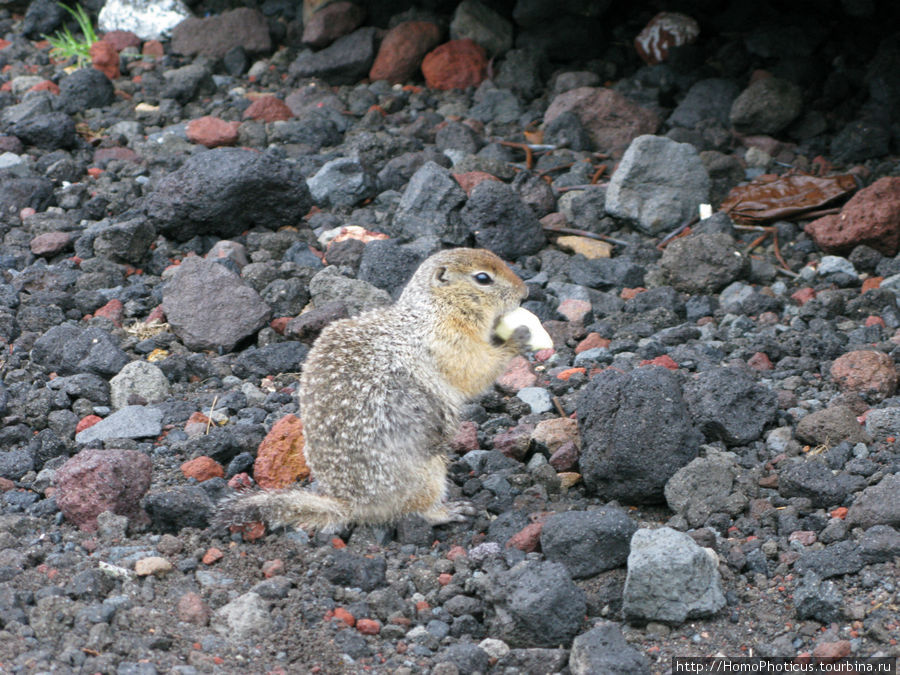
707	465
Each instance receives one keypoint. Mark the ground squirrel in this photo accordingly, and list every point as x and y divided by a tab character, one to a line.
380	397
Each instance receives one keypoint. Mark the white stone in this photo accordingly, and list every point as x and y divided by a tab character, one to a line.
148	19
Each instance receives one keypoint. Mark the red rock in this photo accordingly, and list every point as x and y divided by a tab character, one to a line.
96	480
874	321
803	295
591	341
196	424
192	609
760	361
468	180
569	372
120	39
280	324
514	442
332	22
574	309
344	615
6	484
50	243
565	457
86	422
11	144
518	375
871	217
457	64
866	372
46	85
212	555
214	35
665	361
113	310
629	293
528	538
871	283
368	626
831	651
272	568
664	31
465	439
202	468
456	552
105	58
153	48
268	109
402	50
103	156
279	459
212	132
445	578
612	120
556	432
249	531
805	537
240	481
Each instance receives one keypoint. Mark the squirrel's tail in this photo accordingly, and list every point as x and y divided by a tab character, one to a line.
284	508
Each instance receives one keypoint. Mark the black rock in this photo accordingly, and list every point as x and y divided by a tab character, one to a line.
843	557
818	600
501	222
185	83
880	543
126	241
813	480
85	88
18	193
603	649
16	463
861	140
41	18
535	604
430	207
92	584
271	359
173	510
225	191
387	265
458	136
50	131
588	542
604	273
567	131
225	443
707	100
345	61
636	434
467	658
506	525
728	404
703	263
84	385
68	349
287	297
347	569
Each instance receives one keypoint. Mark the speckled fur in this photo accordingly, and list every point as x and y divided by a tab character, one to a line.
380	396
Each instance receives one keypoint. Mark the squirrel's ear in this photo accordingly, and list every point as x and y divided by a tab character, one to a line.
440	275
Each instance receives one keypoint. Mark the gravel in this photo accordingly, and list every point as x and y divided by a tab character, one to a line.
707	464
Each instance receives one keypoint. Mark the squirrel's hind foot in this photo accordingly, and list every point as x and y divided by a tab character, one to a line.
450	512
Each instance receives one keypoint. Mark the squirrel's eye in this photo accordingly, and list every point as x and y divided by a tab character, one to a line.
483	278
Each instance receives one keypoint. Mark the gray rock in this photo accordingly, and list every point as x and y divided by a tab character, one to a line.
18	193
538	399
186	506
209	307
430	206
85	88
244	617
501	221
345	61
16	463
68	349
703	487
535	604
499	106
52	616
703	263
148	19
670	578
604	273
883	422
139	380
132	421
880	543
329	285
658	185
567	131
186	83
49	131
521	72
466	657
728	404
214	36
355	571
862	139
226	191
767	106
830	426
818	600
877	504
636	433
603	649
83	385
811	479
588	542
388	265
706	100
534	660
479	23
842	557
341	182
278	357
127	241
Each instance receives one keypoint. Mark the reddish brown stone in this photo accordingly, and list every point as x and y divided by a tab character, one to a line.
192	609
591	341
565	457
197	424
268	109
105	58
528	538
468	180
760	361
212	555
803	295
332	22
518	375
86	422
46	85
215	35
554	433
153	48
871	217
120	39
828	652
866	372
96	480
465	439
280	460
272	568
113	310
402	50
103	156
50	243
202	468
457	64
612	120
665	361
212	132
574	309
514	442
368	626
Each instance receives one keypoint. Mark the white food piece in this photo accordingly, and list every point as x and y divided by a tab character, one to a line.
540	339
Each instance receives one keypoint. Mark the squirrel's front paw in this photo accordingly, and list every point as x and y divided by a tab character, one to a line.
524	328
